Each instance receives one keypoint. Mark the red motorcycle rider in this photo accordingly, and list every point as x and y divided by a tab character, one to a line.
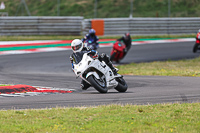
120	48
127	41
197	44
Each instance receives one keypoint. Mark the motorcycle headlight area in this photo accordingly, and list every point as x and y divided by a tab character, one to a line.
76	66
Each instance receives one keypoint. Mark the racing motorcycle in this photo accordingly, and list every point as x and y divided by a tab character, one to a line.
98	74
117	52
91	44
197	43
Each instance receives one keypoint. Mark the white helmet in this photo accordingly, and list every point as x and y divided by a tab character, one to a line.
76	45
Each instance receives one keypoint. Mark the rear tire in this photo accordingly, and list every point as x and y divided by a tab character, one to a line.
122	86
99	85
195	48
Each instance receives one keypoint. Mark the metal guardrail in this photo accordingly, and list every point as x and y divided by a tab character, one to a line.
112	26
41	25
147	26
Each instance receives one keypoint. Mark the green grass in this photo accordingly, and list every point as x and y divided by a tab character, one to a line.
30	38
165	118
186	67
105	8
4	84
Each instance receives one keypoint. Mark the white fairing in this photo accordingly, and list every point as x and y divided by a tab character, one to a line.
87	62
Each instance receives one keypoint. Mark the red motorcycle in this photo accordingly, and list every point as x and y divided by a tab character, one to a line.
118	51
197	44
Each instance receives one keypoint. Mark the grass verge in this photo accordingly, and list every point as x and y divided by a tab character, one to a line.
186	67
29	38
4	84
111	118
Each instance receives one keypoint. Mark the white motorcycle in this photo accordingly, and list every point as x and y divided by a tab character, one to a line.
99	75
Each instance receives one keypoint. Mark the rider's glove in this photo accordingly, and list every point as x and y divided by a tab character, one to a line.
96	55
97	45
93	53
125	50
71	59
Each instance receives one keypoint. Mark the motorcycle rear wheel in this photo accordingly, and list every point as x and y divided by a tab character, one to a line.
122	86
99	85
195	48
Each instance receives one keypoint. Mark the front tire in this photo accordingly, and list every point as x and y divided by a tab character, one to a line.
122	86
99	85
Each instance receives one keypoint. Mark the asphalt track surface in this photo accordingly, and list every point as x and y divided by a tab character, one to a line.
53	69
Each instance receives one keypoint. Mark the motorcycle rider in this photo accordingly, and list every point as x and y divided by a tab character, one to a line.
78	51
91	36
127	41
197	42
198	33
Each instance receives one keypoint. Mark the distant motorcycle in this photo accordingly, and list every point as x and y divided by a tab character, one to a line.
98	74
197	43
91	44
118	51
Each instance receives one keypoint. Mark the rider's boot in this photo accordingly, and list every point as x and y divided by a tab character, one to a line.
115	70
84	85
105	58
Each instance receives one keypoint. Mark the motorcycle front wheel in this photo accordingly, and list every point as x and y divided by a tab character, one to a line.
122	86
98	84
195	48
